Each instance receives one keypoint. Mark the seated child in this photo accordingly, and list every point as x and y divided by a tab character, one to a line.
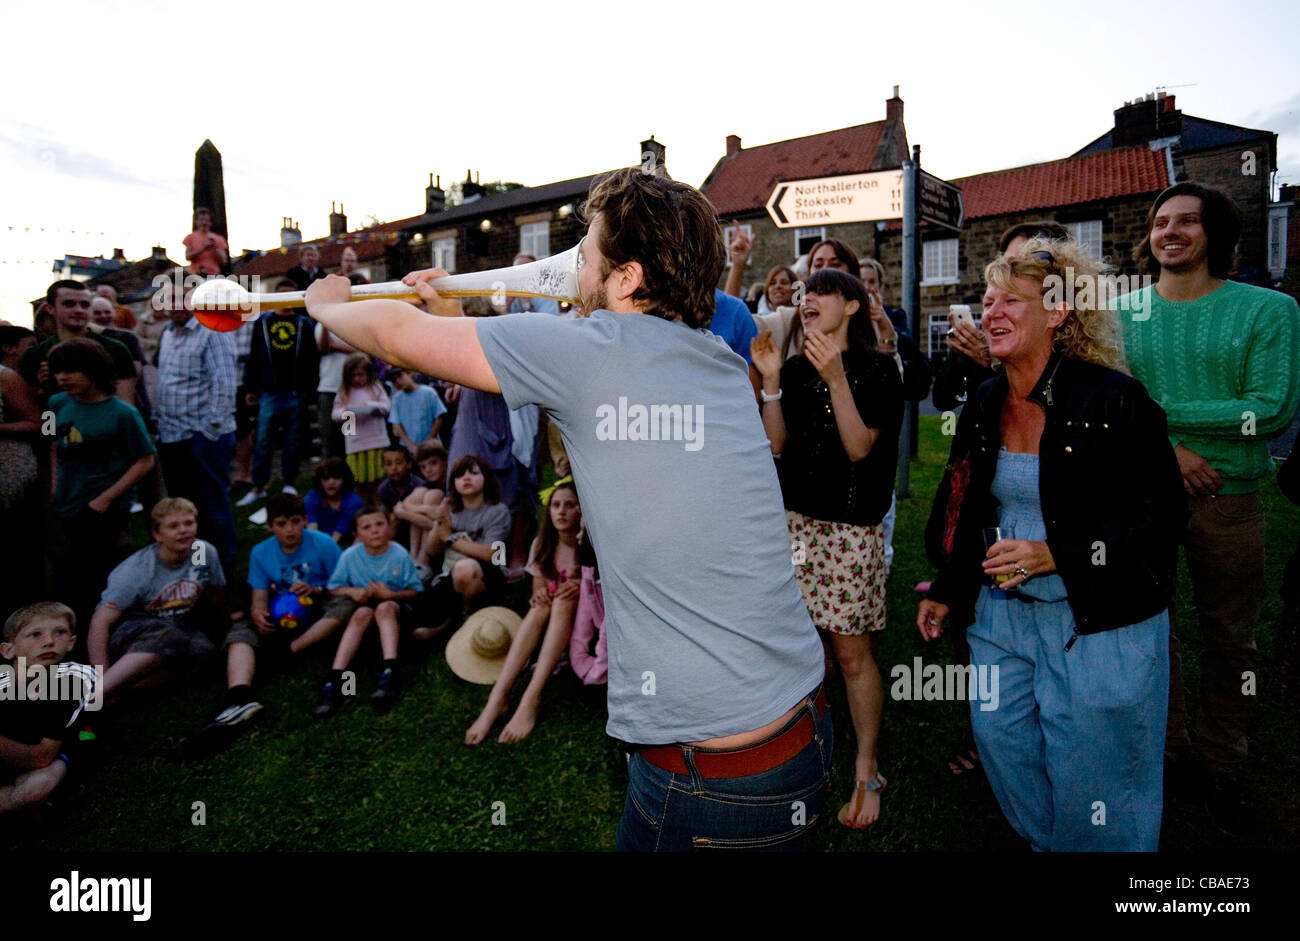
553	563
332	501
417	411
379	576
32	731
398	484
295	560
588	653
157	603
467	544
420	509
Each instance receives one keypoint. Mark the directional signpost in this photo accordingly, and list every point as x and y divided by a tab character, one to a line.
940	202
833	200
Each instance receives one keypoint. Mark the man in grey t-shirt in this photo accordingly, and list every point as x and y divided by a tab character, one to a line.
712	655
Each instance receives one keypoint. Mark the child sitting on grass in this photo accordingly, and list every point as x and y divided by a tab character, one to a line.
379	576
467	545
158	602
398	484
32	731
420	508
296	560
553	563
332	501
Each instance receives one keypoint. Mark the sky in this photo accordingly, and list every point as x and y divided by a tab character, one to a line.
106	102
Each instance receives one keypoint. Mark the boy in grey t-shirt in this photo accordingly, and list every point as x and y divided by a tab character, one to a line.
710	646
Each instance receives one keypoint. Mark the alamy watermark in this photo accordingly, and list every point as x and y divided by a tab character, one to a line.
948	682
636	422
61	682
1100	292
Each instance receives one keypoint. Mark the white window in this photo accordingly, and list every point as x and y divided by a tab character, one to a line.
940	265
1088	235
535	239
748	229
444	254
805	239
1277	219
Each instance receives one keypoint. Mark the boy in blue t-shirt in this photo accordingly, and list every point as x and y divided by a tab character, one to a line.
416	415
293	561
379	576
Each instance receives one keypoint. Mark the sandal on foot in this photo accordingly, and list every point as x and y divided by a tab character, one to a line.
860	788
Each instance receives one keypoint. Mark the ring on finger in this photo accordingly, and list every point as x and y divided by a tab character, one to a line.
1022	572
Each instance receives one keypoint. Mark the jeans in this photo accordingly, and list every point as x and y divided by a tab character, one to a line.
1074	744
1225	558
199	470
272	409
772	811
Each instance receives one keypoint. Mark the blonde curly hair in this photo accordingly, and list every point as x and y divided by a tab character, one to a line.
1090	331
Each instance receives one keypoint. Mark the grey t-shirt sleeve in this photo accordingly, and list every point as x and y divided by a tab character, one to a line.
539	359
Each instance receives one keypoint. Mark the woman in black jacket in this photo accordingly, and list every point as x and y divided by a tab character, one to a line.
1067	605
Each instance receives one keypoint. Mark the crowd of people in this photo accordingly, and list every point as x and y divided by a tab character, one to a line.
1090	446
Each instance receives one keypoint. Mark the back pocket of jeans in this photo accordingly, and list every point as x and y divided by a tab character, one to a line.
755	843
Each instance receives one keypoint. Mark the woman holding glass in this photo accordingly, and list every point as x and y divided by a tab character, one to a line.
1068	621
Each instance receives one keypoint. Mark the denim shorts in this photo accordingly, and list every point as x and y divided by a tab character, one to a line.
772	811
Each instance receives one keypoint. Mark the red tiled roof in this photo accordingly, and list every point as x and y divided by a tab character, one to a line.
369	243
1125	172
744	180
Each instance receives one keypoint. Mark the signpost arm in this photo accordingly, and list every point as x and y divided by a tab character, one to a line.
911	305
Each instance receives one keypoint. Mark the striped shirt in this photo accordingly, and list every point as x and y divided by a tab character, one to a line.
197	376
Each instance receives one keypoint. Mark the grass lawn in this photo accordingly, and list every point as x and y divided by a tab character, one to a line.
405	781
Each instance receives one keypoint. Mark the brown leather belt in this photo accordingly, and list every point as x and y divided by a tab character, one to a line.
751	759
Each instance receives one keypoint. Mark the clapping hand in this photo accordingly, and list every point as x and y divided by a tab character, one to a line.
825	357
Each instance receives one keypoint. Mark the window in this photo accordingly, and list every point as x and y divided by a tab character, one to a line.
748	229
535	239
1277	219
805	239
940	264
1088	235
444	254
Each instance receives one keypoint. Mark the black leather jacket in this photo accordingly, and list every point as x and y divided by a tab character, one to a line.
1111	492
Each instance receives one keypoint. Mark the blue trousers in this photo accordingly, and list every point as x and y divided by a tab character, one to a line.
1074	750
772	811
199	470
277	408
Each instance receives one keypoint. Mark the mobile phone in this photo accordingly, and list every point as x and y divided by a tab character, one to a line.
960	313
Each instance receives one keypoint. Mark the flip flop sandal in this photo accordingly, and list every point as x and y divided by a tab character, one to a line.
860	788
957	764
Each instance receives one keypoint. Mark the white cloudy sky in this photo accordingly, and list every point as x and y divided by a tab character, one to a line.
105	103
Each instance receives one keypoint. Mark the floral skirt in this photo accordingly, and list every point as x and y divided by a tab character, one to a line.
841	572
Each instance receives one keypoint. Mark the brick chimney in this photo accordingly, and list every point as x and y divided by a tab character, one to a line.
119	255
158	254
894	107
338	221
471	189
435	200
733	144
289	233
1146	119
659	151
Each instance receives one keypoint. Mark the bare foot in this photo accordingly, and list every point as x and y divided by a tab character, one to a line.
521	723
483	724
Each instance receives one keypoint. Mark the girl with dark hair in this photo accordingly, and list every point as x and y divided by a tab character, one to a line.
332	501
553	563
468	546
832	414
